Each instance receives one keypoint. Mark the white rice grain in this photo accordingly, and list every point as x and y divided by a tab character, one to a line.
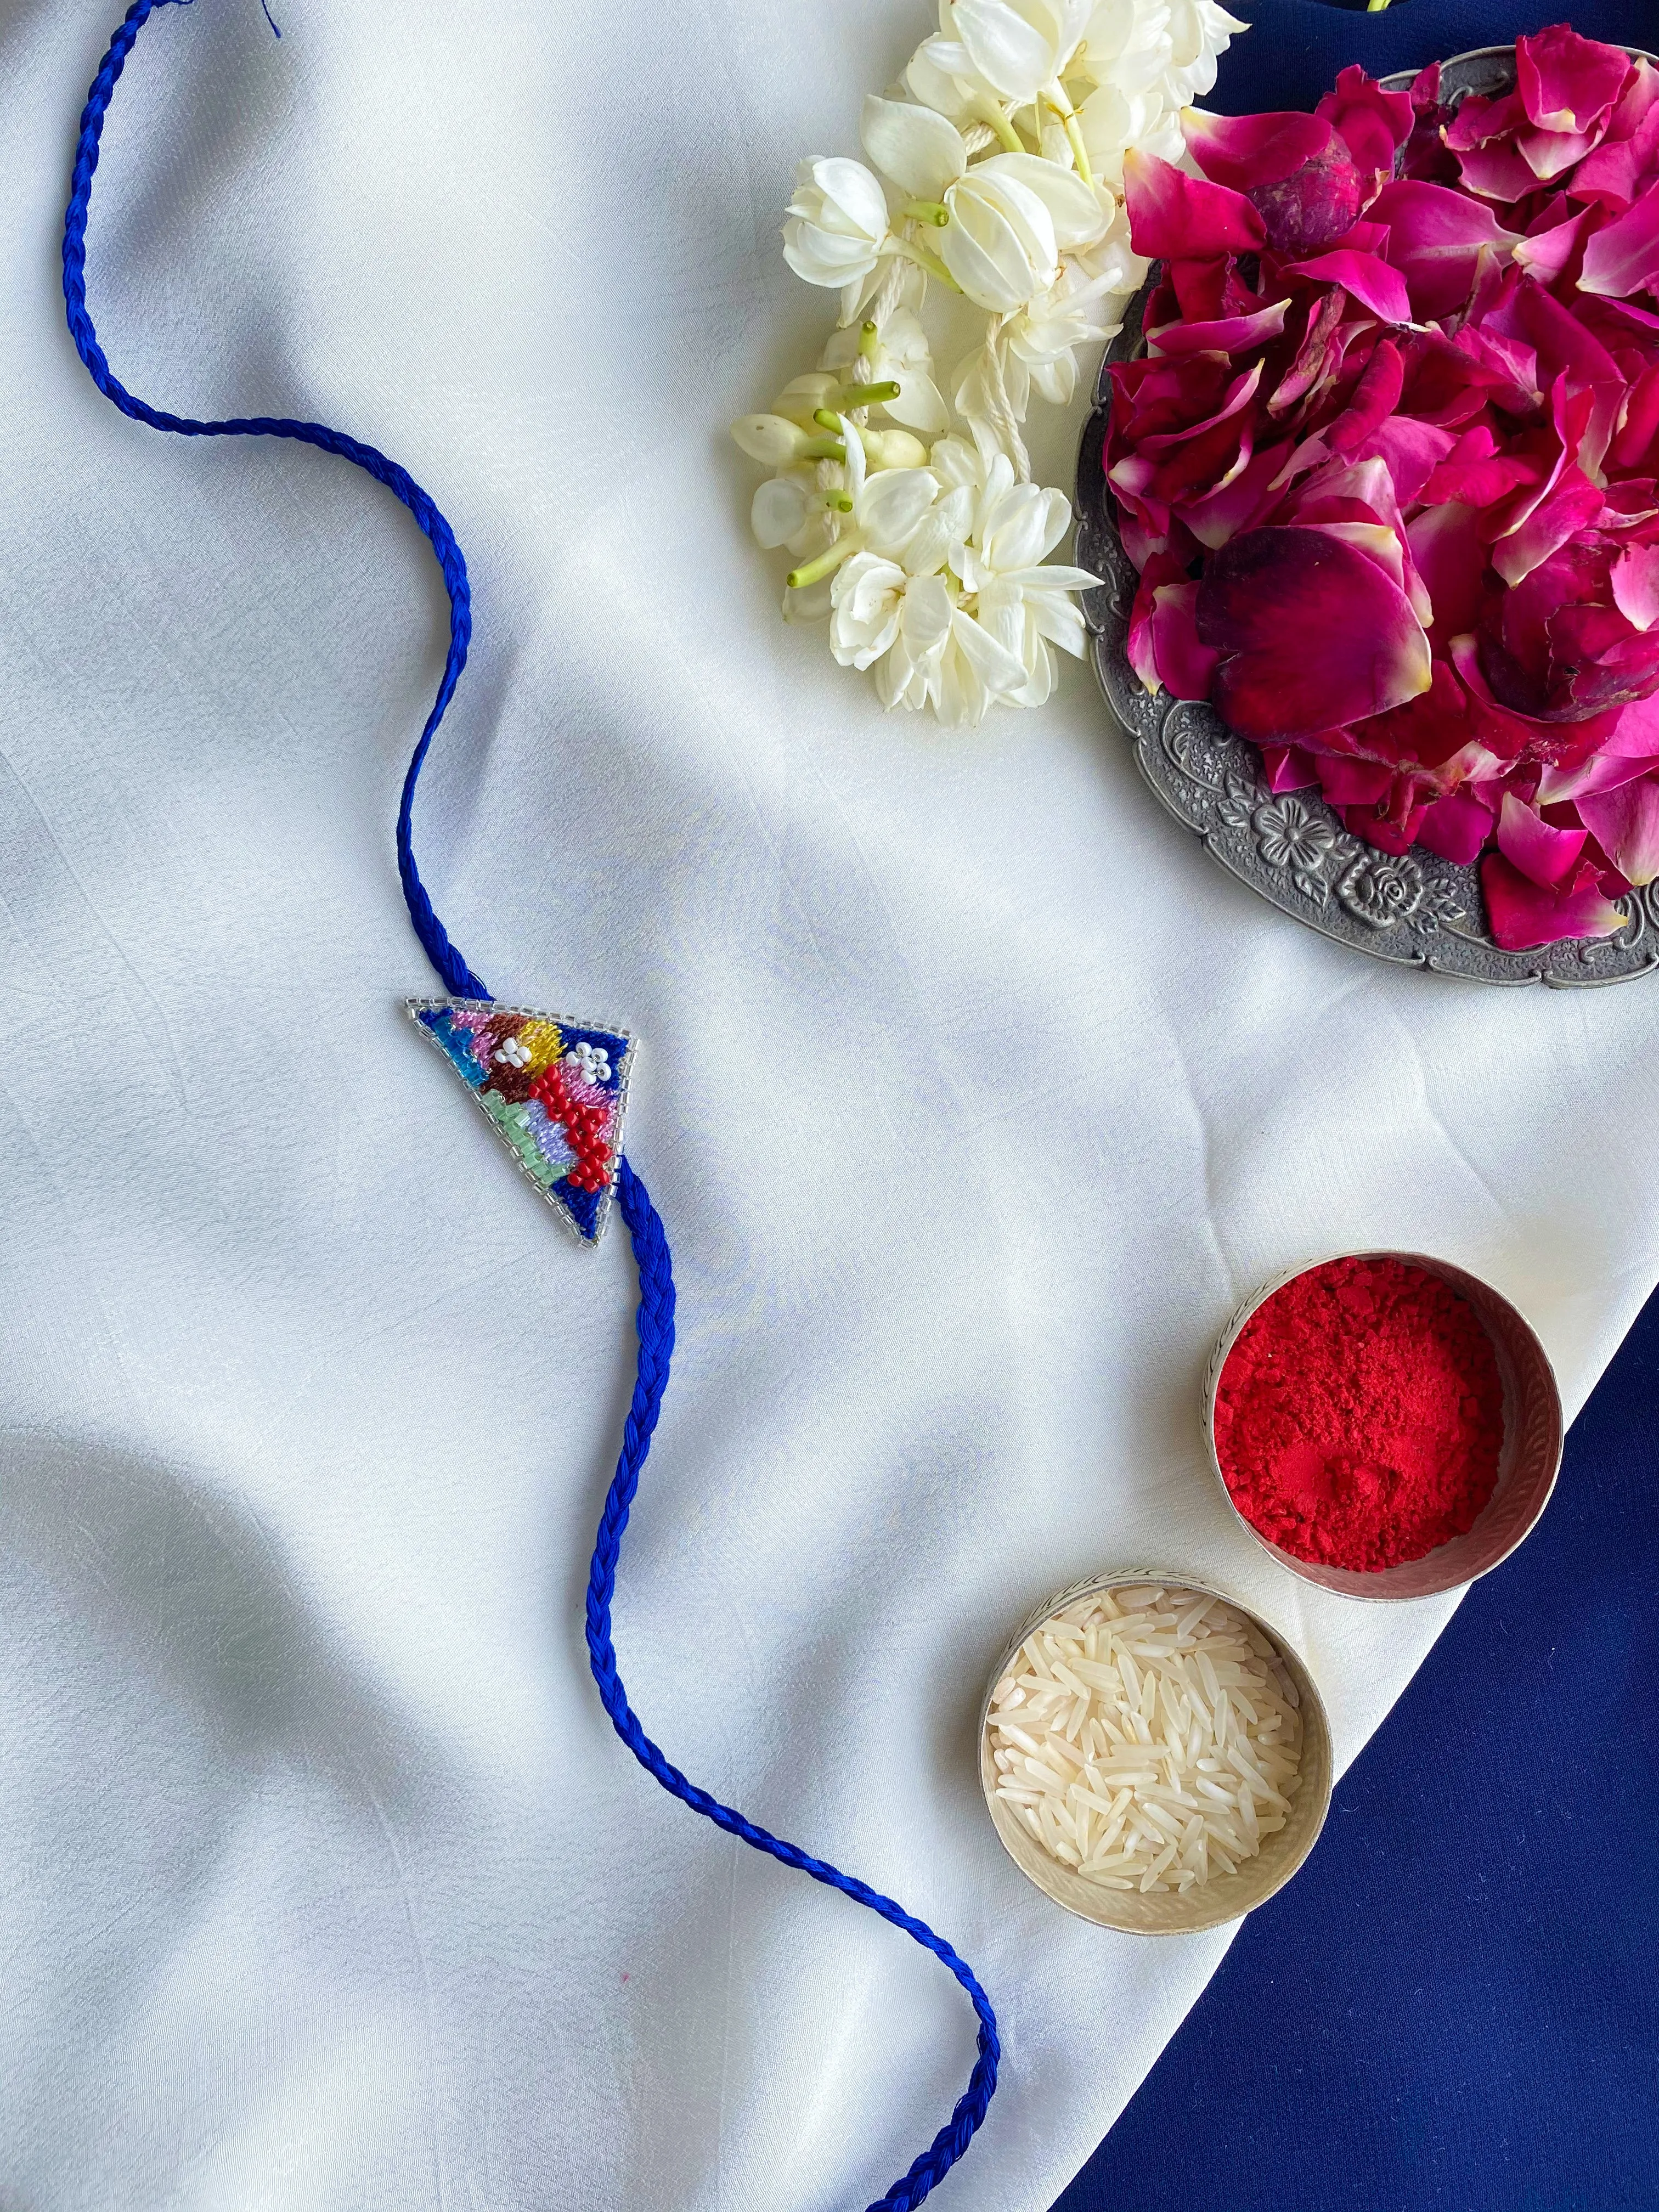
1149	1738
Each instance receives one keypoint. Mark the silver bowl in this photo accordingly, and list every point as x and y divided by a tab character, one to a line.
1225	1897
1417	910
1529	1459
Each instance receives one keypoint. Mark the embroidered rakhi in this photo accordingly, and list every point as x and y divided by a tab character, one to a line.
554	1092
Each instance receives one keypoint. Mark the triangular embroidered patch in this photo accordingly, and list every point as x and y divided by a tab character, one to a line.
554	1092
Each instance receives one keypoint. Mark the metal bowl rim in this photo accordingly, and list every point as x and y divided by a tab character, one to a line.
1307	1689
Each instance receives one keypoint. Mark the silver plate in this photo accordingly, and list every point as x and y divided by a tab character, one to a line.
1418	910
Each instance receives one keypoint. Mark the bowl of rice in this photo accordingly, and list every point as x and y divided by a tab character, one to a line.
1154	1757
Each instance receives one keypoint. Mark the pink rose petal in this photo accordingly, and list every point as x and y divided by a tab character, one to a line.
1175	217
1479	120
1375	123
1544	855
1353	782
1625	257
1639	432
1313	634
1184	667
1524	914
1498	171
1603	771
1435	237
1376	396
1240	151
1566	82
1572	507
1624	824
1546	254
1634	578
1456	827
1548	154
1369	280
1446	549
1233	334
1289	769
1628	156
1410	451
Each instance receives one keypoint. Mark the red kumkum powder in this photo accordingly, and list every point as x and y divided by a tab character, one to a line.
1360	1414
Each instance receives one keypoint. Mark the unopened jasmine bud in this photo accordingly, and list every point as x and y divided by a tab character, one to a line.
771	439
893	449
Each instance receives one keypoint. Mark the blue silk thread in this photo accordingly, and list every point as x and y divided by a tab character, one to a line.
654	1317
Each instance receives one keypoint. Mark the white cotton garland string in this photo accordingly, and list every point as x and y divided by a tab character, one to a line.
995	174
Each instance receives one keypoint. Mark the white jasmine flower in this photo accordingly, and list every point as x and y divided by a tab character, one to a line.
998	241
942	75
1020	47
907	673
1111	120
958	465
923	645
1023	602
792	509
838	222
801	398
974	671
1200	31
1040	342
867	602
898	351
1111	260
1126	42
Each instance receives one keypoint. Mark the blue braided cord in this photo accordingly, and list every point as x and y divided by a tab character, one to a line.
655	1317
655	1324
458	978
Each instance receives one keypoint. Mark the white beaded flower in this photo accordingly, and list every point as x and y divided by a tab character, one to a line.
591	1061
514	1055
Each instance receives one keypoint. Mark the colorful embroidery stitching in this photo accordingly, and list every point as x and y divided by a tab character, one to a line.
554	1090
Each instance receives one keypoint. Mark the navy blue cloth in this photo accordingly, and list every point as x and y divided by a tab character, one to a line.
1294	48
1455	2006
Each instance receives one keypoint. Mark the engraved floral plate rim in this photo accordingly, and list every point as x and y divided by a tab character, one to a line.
1291	848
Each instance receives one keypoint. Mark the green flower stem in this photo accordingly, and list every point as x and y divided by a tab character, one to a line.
923	260
862	395
1080	153
810	572
825	449
869	341
1060	103
931	211
835	502
1007	136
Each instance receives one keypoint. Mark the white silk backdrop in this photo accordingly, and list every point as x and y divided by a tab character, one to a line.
972	1094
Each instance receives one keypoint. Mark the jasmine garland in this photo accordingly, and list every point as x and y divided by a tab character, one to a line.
995	174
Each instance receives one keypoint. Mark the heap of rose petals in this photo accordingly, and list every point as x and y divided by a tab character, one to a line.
1388	468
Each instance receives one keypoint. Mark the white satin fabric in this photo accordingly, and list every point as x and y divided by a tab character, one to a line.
972	1094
